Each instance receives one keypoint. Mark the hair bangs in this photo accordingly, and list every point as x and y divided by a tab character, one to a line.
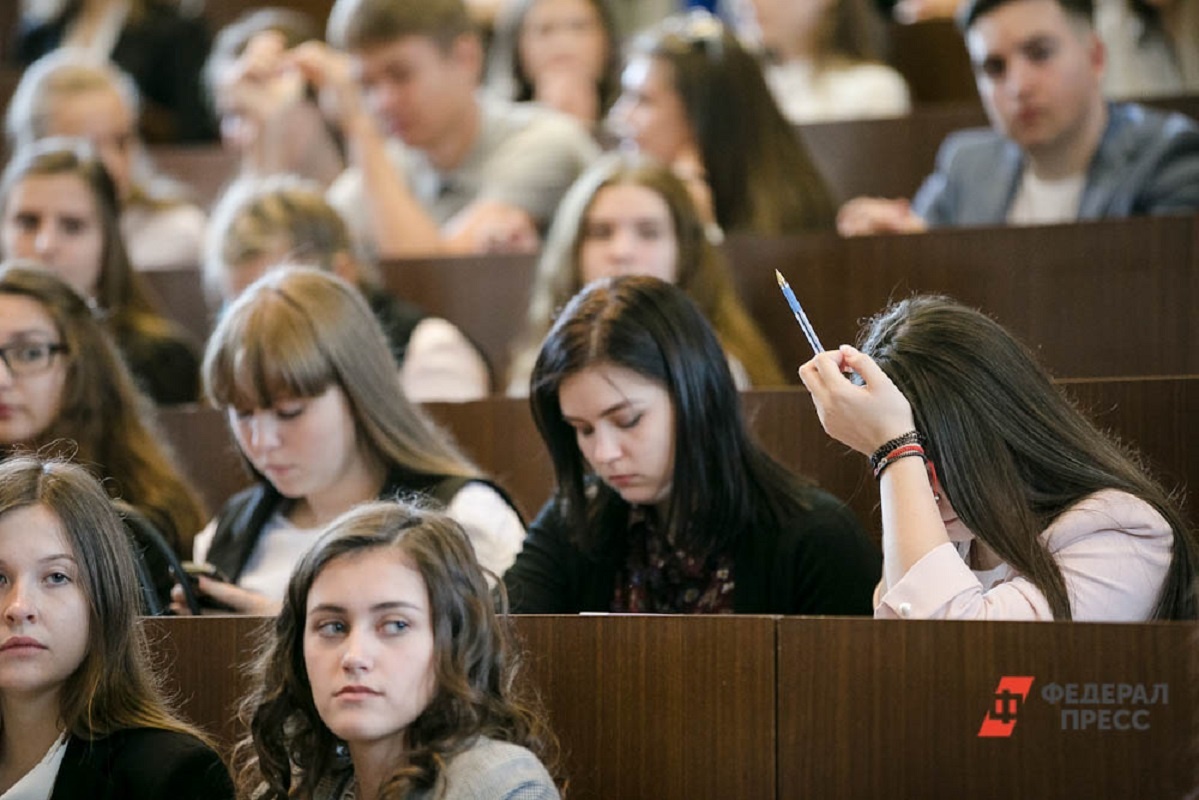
263	357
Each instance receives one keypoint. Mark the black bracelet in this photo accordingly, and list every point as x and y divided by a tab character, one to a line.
911	437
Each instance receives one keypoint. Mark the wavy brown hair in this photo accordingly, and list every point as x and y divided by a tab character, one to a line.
104	415
702	271
289	750
115	688
1012	452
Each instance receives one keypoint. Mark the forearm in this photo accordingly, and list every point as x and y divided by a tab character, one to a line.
912	524
401	226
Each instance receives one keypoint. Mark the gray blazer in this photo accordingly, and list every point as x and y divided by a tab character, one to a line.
1147	163
487	770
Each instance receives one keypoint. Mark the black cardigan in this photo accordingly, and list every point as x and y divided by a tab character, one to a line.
818	561
141	764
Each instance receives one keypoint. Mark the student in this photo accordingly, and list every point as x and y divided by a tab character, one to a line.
693	98
304	371
388	645
260	223
268	114
67	93
999	499
435	166
564	54
664	504
59	207
821	59
158	42
632	216
1056	150
62	381
81	712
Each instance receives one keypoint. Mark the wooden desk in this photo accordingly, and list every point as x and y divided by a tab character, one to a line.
1096	299
768	707
893	709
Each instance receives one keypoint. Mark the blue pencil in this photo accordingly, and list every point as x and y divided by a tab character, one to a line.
800	316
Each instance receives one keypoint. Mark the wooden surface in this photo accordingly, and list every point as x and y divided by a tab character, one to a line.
659	707
762	707
874	709
1155	415
1097	299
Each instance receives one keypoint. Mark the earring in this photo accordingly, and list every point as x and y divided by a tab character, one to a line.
937	496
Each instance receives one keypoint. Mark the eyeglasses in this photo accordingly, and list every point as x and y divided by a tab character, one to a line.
30	358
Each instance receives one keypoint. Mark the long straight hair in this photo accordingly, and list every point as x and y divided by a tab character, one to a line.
298	331
101	411
115	687
723	481
763	180
1012	452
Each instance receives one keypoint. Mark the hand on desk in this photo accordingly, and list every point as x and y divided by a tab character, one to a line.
864	216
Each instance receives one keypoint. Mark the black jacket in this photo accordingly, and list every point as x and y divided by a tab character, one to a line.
818	561
141	764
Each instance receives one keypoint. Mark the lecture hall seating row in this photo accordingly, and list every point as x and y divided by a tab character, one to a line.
833	708
1155	415
1094	299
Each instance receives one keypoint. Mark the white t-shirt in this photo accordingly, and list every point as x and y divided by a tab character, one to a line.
838	92
493	527
1040	202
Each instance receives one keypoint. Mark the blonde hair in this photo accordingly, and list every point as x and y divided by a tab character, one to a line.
298	331
64	74
258	217
702	271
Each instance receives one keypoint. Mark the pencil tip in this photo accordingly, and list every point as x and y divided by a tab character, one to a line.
779	277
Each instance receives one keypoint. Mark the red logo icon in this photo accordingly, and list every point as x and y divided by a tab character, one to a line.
1009	697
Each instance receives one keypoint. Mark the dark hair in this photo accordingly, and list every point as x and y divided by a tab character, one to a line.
115	687
475	661
361	24
971	10
722	480
102	412
1011	451
506	43
762	178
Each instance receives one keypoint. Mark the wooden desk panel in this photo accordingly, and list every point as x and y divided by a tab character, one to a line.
1097	299
205	661
658	707
486	296
893	709
645	707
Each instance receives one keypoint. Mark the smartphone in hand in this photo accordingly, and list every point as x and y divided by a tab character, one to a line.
194	571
